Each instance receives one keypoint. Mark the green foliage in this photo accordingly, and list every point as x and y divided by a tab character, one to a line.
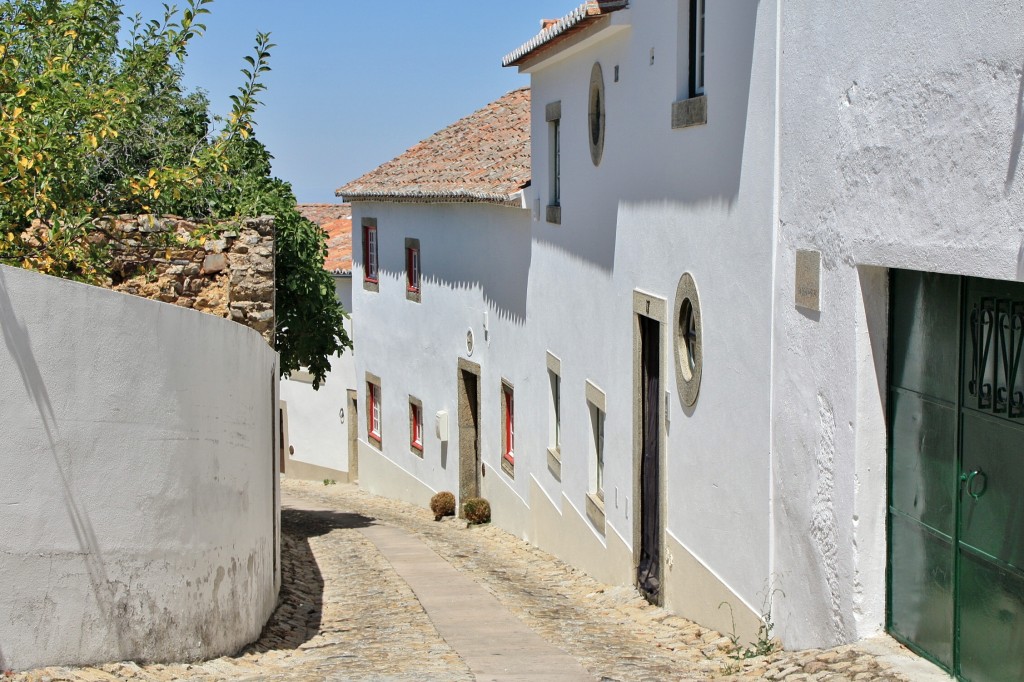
442	504
90	127
766	643
477	510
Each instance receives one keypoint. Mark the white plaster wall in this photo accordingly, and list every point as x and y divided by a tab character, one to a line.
475	261
901	129
315	429
139	503
661	203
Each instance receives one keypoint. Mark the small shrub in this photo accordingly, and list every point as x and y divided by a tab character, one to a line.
477	510
329	481
442	504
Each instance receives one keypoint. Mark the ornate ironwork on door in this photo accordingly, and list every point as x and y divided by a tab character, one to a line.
997	339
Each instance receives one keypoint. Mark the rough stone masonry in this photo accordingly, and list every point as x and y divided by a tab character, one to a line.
225	269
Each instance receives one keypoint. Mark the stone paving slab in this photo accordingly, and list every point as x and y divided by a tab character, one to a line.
493	643
346	613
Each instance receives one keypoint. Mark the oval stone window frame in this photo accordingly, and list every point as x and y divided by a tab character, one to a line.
596	114
688	334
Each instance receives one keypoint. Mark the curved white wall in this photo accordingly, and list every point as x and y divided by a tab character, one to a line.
138	490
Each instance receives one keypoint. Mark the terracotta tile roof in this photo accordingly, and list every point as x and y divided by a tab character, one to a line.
555	31
336	219
482	157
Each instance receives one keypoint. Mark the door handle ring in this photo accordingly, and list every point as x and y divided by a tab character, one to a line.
969	479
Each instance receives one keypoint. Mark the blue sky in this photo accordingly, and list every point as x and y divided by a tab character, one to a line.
355	83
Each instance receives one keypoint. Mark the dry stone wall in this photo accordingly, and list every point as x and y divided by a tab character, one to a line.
225	269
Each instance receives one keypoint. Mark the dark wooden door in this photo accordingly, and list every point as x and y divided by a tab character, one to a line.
648	572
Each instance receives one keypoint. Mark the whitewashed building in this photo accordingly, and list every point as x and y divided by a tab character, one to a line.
683	348
442	261
900	129
319	425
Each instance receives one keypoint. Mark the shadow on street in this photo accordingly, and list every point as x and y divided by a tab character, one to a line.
297	617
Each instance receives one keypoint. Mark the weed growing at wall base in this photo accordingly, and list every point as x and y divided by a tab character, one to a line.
765	643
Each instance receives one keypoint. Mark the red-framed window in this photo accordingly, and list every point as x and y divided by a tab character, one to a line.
373	427
510	423
370	253
412	268
416	426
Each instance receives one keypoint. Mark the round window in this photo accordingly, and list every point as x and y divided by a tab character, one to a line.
595	114
688	333
689	350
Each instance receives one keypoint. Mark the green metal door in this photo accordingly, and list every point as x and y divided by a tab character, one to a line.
956	500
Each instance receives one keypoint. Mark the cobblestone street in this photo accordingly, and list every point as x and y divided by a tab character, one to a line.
346	614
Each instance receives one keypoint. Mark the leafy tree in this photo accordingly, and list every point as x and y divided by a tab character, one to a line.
90	126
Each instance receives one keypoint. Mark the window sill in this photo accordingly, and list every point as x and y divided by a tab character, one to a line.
508	468
371	285
374	440
555	463
413	295
554	214
690	112
416	450
595	511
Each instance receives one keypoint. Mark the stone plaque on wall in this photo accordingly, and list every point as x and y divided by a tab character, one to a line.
808	279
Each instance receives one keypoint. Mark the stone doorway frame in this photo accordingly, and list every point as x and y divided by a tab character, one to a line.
654	308
352	422
470	457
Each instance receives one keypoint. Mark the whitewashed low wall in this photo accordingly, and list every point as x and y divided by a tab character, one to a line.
138	501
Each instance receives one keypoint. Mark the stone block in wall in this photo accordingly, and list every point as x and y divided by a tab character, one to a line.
214	263
230	274
216	245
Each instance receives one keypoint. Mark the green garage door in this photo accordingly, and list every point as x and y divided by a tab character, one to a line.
956	472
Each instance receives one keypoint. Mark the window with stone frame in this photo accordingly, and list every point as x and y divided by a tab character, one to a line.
696	47
597	450
594	501
508	427
553	115
416	426
374	421
596	405
370	254
691	109
413	273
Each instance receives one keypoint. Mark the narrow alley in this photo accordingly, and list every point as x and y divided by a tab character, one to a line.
347	613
